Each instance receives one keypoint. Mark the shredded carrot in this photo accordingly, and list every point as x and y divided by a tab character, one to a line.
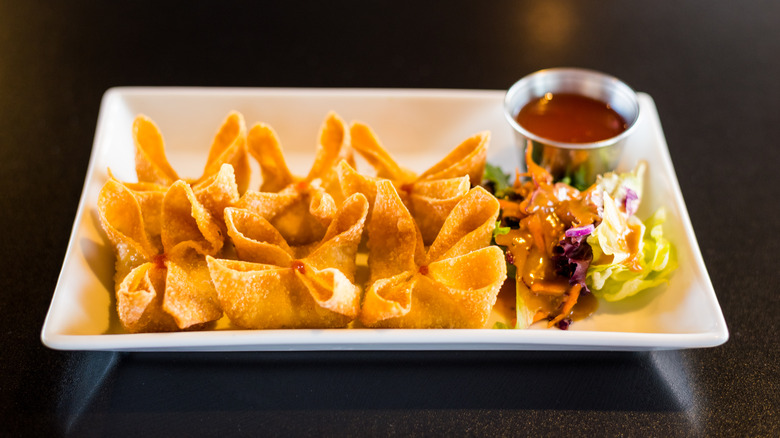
510	209
540	315
571	300
574	295
518	179
549	287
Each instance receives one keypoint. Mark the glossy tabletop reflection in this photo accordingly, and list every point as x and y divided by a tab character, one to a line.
712	73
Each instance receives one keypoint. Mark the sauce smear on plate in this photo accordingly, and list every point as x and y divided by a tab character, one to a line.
571	118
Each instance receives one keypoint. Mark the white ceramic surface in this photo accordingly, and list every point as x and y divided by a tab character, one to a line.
418	127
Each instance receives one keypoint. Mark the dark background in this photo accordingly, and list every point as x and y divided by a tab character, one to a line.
713	69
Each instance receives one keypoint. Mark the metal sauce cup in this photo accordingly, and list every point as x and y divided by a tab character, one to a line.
579	163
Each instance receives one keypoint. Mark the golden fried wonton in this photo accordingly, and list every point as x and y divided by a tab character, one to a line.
279	285
468	158
139	300
228	147
300	208
263	144
161	291
188	250
151	163
225	176
122	219
301	212
429	201
429	196
333	146
149	197
452	284
366	143
218	192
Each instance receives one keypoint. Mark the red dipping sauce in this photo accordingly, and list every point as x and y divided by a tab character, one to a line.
571	118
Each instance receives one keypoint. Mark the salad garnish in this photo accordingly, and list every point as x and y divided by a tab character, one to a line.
566	247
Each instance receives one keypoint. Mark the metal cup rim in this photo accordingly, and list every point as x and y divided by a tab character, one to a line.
509	108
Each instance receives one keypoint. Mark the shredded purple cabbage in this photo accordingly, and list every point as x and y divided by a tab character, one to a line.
631	203
580	231
571	259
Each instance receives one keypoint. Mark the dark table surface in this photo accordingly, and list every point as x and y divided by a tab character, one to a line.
713	69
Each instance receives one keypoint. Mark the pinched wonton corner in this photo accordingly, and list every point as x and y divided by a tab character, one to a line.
468	158
333	146
227	147
452	284
169	290
429	196
278	285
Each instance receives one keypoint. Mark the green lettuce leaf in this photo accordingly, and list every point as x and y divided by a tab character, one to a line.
500	180
498	230
615	281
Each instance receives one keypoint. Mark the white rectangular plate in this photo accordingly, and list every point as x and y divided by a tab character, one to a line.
418	127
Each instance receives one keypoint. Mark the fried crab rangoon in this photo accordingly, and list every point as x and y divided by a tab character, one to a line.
429	196
161	291
225	176
300	208
278	285
162	227
285	256
453	283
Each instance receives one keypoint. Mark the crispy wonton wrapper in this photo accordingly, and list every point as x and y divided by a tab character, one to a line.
161	291
218	192
468	158
301	212
225	176
149	197
228	147
280	286
122	219
151	162
300	208
429	201
454	284
429	196
333	146
139	300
